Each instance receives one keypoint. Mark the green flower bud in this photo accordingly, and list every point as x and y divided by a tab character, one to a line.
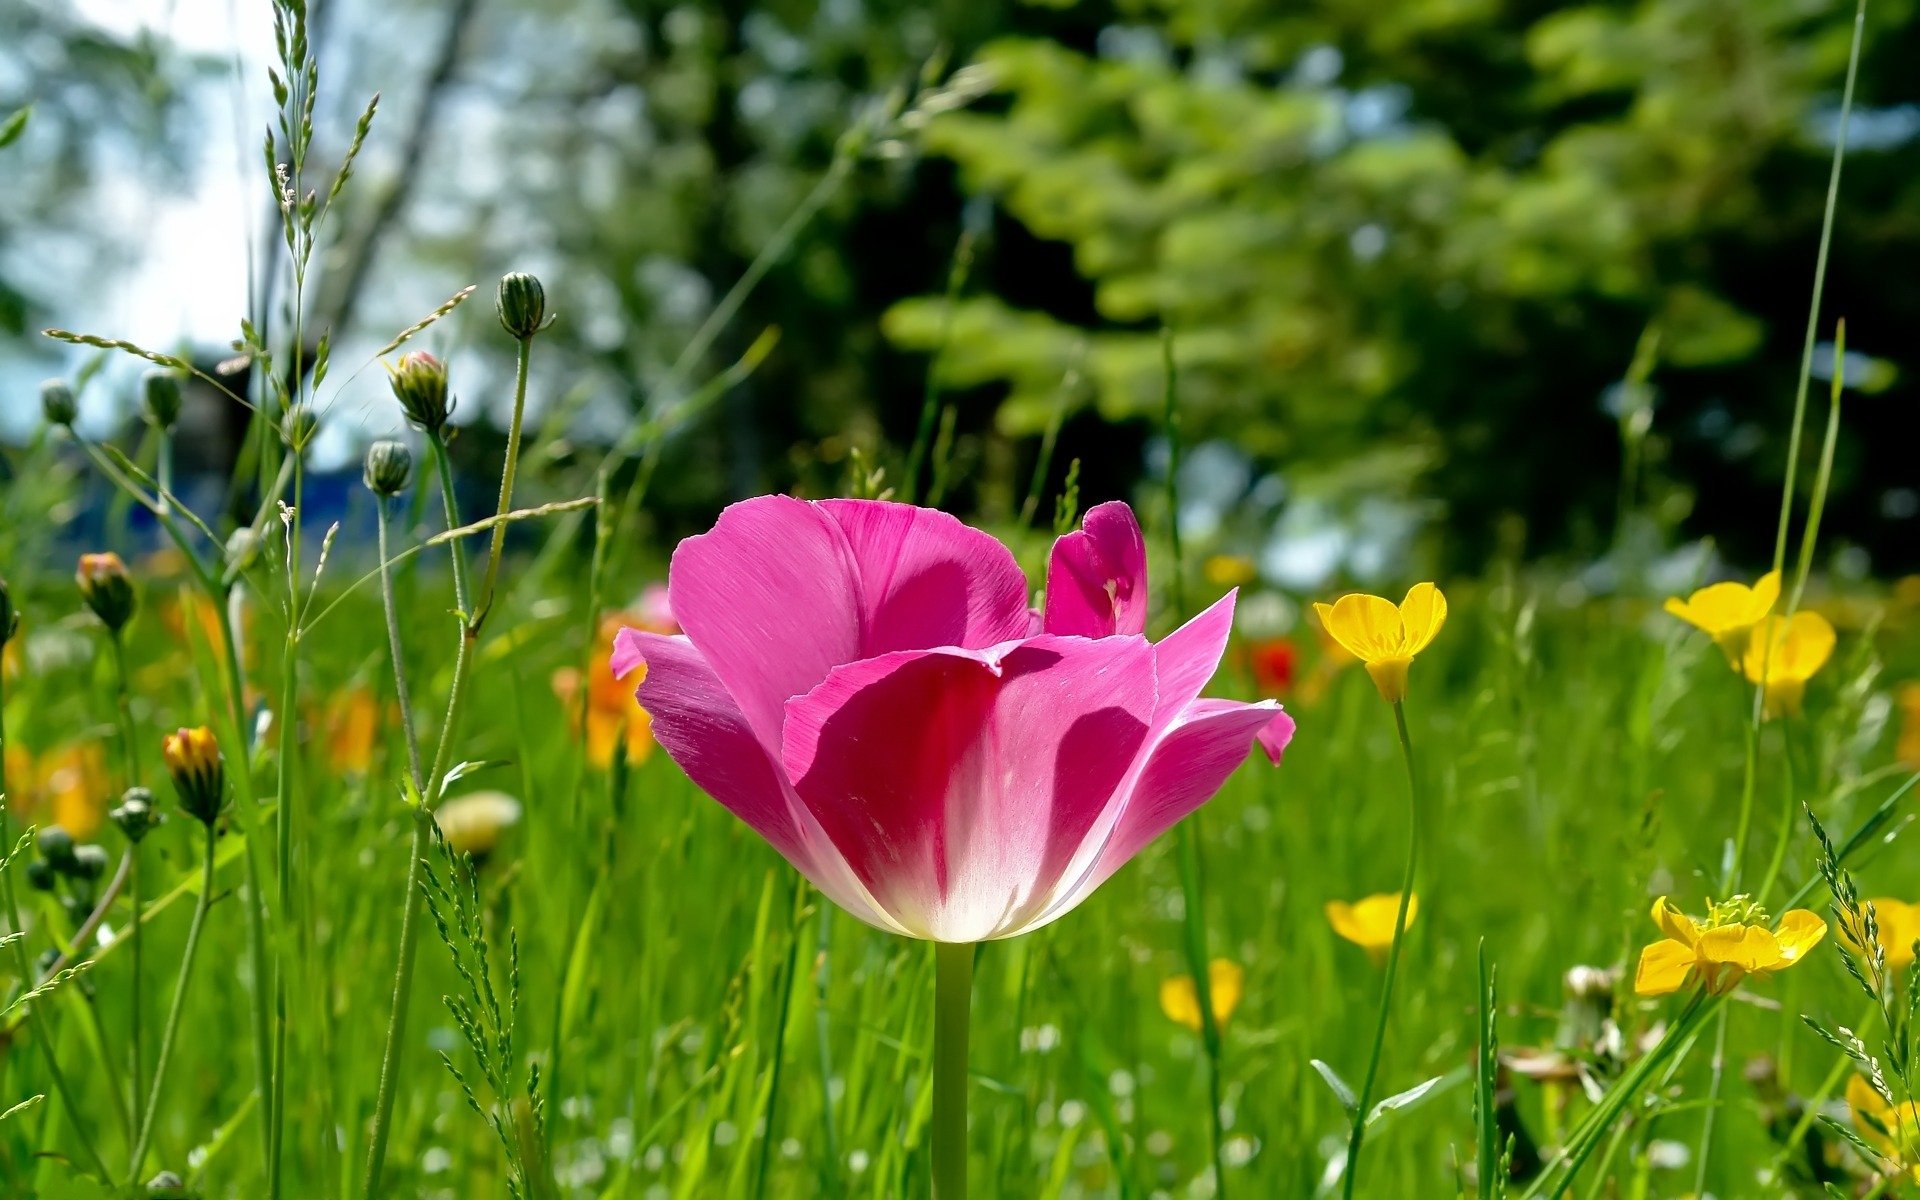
136	816
56	846
89	862
40	875
388	469
419	383
57	402
299	427
521	303
107	589
160	394
9	619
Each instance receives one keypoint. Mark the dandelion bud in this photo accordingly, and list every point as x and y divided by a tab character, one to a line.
199	773
40	875
57	402
107	588
389	467
299	427
521	303
56	846
160	394
89	862
243	546
9	619
135	815
420	385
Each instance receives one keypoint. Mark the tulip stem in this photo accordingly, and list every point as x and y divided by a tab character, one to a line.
173	1014
1358	1138
952	1012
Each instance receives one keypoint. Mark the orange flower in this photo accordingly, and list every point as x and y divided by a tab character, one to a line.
352	729
613	717
67	787
1907	748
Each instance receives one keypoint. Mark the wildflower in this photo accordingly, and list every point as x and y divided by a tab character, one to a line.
199	772
57	403
1897	923
473	824
1784	654
65	788
1728	611
419	382
160	397
859	683
1229	570
1386	636
1893	1131
353	730
107	589
613	718
1733	941
1180	1000
1368	923
1273	662
388	469
1906	746
521	303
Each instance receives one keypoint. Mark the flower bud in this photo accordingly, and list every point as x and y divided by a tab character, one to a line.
89	862
243	546
521	303
160	396
299	426
9	619
107	588
136	815
420	385
389	467
40	875
199	773
56	846
167	1186
57	402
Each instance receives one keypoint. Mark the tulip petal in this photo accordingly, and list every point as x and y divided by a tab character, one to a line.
783	591
703	730
1275	737
1185	660
1097	576
958	785
1664	968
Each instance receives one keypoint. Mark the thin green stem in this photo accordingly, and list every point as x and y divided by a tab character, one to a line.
167	1031
129	748
1789	811
23	967
1193	895
283	816
498	545
952	1016
769	1119
1357	1139
403	695
1709	1118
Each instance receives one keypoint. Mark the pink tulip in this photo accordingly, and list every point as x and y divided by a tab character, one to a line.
859	682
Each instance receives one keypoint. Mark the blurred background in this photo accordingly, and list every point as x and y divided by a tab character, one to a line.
1449	280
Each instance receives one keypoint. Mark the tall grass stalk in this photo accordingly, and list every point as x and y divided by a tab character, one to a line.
137	1158
130	752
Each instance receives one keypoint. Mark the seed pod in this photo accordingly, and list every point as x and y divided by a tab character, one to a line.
389	467
57	402
419	383
521	303
199	772
160	395
107	588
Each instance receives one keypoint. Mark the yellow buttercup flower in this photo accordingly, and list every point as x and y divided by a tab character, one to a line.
1898	924
1727	612
1895	1132
1229	570
1368	923
1180	1000
1733	941
1385	635
1784	654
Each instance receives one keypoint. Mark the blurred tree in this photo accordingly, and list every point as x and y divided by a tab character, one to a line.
1412	244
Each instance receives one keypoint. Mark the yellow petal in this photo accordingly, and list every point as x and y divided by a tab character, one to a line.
1766	592
1180	1000
1369	922
1422	614
1674	923
1664	968
1899	928
1744	946
1227	982
1798	932
1389	675
1368	626
1788	650
1872	1115
1721	608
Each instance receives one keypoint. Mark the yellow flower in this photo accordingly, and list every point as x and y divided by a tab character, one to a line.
1898	924
1785	654
199	773
474	823
1368	923
613	717
1727	611
1893	1132
1732	942
353	730
1229	570
65	787
1180	1000
1385	635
